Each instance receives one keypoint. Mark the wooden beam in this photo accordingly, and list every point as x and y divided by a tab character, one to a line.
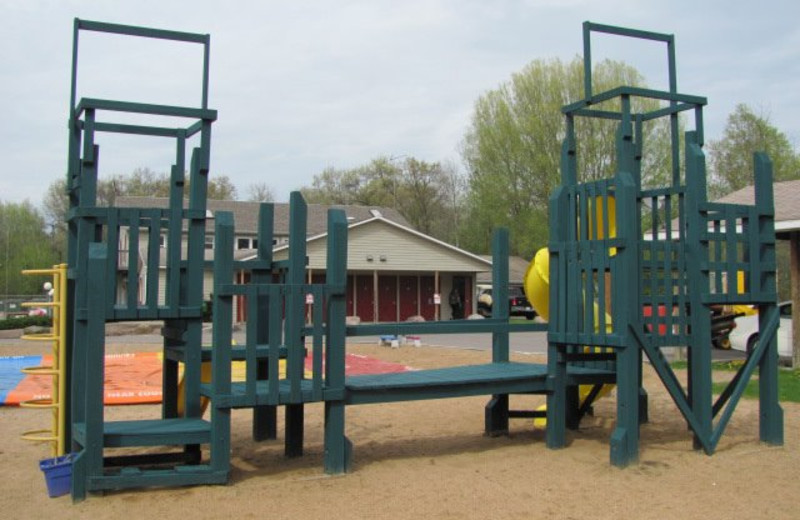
794	276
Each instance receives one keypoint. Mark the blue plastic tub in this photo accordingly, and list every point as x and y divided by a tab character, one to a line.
57	474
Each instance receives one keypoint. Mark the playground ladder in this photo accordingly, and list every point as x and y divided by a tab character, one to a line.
57	371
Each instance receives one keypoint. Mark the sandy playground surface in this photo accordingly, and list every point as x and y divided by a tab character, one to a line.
430	459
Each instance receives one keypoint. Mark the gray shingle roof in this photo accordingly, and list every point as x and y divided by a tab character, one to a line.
516	270
787	199
245	214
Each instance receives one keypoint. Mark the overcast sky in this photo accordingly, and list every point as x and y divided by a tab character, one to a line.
301	86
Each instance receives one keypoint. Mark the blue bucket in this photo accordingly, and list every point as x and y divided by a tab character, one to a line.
57	474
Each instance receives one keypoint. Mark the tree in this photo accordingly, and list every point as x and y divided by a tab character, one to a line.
220	187
260	192
731	157
24	244
373	184
428	195
512	148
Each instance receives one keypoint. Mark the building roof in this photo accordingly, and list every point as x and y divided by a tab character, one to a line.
245	214
516	270
481	264
787	203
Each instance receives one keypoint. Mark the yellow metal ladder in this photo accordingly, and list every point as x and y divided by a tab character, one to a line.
57	335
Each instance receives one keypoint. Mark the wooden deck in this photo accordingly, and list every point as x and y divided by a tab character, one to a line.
238	352
462	381
260	394
154	432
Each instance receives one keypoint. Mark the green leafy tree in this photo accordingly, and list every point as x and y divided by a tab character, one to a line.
731	157
428	195
24	244
374	184
512	148
142	182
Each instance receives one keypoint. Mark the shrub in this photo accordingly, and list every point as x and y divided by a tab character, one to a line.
25	321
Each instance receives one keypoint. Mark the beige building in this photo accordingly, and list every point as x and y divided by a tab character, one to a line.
394	272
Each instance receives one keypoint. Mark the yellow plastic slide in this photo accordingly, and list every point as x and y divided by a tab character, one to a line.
536	284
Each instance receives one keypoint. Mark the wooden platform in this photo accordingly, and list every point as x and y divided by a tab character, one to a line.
462	381
238	352
153	432
240	397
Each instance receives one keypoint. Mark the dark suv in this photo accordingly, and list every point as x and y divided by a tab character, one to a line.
518	304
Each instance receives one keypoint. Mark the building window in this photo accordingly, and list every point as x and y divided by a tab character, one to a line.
162	240
246	243
209	242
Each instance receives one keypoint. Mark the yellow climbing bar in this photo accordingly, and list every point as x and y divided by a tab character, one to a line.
58	305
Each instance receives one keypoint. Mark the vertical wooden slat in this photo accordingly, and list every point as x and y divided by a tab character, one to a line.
275	317
113	265
153	260
500	294
251	361
95	357
264	418
337	447
133	260
294	312
318	291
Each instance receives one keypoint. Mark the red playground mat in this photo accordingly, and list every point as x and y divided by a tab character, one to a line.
136	378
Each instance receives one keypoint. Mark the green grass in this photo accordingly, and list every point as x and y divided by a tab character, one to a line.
788	381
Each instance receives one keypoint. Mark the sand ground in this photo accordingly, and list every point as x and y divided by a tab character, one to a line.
430	459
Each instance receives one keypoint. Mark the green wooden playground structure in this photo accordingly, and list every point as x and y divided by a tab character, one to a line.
687	252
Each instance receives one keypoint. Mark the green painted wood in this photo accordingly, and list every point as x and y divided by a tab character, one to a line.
91	104
131	30
295	316
500	290
153	131
95	233
496	410
699	361
338	448
771	415
222	340
555	435
444	327
265	422
493	378
200	474
153	432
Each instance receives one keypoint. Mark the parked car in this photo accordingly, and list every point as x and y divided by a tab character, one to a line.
722	323
745	336
518	304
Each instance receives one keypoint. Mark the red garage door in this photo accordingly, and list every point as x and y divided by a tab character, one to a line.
350	292
408	297
427	288
365	297
387	298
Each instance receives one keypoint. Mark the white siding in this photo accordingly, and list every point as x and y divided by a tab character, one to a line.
401	250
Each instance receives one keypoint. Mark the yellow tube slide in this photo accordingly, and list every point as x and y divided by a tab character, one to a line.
536	284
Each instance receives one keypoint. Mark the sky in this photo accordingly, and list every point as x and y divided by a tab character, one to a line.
301	86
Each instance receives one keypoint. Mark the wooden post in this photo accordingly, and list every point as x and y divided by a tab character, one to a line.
794	246
264	417
337	446
496	412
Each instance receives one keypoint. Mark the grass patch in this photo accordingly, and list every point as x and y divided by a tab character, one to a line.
788	380
788	386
